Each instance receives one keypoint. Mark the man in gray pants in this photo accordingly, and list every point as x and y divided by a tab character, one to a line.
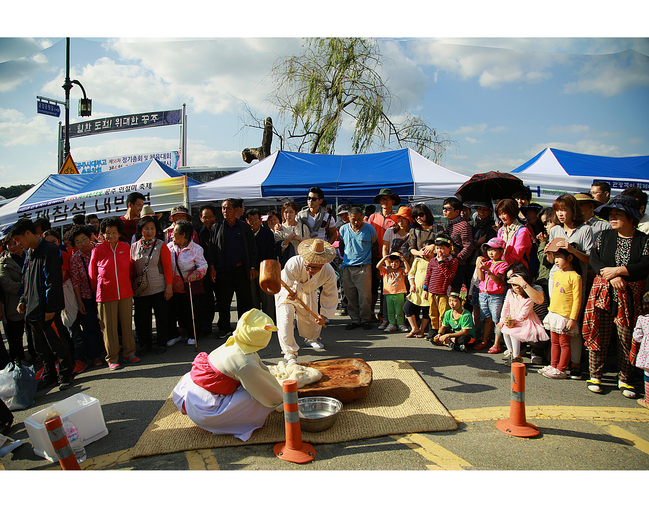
358	242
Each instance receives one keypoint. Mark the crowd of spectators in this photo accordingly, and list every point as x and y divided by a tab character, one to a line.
562	280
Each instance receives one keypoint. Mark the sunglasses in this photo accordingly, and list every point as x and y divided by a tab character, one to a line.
448	209
312	268
421	215
313	198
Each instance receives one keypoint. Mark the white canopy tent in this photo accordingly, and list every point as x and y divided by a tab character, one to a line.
553	172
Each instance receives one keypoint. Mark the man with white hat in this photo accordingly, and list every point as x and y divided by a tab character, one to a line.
304	274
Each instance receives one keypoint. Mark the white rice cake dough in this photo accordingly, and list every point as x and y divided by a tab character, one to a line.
299	373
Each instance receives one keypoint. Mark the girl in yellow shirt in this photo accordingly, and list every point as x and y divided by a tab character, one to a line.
565	301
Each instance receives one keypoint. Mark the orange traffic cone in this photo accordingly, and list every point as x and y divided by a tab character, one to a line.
517	425
54	427
293	450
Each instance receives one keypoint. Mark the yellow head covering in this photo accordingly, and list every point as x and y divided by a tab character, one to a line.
253	332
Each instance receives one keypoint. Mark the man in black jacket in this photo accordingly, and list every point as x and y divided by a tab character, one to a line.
266	247
42	301
233	263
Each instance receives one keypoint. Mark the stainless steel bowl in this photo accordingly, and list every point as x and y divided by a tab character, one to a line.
318	413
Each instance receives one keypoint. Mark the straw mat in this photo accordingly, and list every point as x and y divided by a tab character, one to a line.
398	402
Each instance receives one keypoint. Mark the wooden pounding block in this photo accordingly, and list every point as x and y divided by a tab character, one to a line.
345	379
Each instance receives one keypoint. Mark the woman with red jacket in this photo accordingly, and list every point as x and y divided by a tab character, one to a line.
111	271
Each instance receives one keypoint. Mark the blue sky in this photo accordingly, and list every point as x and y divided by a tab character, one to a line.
500	99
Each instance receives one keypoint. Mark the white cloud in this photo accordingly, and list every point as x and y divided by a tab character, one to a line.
209	74
405	79
571	130
610	75
497	129
18	129
572	46
476	128
471	140
21	47
494	67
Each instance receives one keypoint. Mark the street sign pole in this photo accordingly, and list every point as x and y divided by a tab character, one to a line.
67	86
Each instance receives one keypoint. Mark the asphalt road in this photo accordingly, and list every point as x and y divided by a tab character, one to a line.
579	430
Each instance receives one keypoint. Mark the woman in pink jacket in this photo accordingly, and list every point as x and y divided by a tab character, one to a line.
111	271
517	237
188	265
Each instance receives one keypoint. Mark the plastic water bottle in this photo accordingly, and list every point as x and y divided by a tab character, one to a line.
74	439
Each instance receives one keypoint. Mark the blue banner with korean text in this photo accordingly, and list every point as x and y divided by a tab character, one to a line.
125	122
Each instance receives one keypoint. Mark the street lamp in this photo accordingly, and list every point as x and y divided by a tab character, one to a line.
85	104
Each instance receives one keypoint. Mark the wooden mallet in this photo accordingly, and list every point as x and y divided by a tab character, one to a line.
270	281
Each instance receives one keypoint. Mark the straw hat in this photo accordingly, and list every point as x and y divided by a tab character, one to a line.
147	210
253	332
583	198
404	212
316	251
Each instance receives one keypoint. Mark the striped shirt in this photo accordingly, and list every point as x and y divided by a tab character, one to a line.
439	275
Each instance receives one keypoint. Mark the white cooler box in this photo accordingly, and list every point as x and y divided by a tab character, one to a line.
84	411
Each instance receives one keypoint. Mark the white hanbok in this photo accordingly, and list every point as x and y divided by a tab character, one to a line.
298	279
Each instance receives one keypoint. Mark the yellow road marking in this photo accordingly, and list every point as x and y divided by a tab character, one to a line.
201	460
632	439
555	413
108	460
441	457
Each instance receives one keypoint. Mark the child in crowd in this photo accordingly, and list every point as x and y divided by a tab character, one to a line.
473	296
491	274
415	301
439	275
641	346
394	289
565	301
518	322
457	331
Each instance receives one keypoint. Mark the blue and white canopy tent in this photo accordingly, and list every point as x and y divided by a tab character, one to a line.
553	172
353	178
60	197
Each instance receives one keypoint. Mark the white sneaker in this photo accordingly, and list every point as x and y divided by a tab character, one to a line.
506	354
383	325
316	345
191	341
174	341
403	329
390	329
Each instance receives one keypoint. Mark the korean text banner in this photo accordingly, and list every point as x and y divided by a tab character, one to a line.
160	194
169	158
124	122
